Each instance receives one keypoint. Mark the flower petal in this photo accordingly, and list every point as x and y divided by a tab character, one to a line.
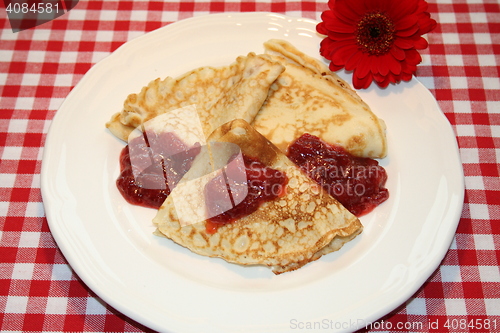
362	83
427	25
401	9
407	32
421	44
382	81
408	68
329	50
406	77
332	20
387	65
337	45
341	55
326	47
385	80
355	9
334	67
377	5
383	67
413	57
394	66
338	36
403	43
338	25
422	6
327	15
406	22
345	13
376	62
363	68
397	53
354	60
320	28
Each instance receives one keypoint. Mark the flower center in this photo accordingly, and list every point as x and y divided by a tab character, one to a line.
375	33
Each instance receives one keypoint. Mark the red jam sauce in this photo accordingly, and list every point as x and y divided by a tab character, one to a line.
155	171
263	184
356	182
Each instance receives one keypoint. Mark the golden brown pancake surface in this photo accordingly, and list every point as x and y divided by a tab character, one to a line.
308	98
220	95
284	234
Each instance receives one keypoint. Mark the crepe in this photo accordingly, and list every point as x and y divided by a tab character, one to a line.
308	98
283	234
220	95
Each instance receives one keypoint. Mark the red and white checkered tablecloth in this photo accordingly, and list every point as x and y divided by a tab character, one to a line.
39	66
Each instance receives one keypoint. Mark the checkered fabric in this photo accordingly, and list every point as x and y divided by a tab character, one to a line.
39	66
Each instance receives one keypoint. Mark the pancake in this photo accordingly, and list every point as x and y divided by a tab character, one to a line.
308	98
220	95
284	234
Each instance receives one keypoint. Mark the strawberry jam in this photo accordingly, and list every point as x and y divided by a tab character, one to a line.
150	167
356	182
262	184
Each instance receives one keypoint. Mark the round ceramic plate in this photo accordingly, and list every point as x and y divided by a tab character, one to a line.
111	246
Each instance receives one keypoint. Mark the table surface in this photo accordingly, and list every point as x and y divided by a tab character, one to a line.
40	66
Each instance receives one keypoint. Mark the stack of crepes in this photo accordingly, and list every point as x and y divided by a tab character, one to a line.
259	104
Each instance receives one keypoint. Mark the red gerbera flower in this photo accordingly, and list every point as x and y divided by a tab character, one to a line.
375	39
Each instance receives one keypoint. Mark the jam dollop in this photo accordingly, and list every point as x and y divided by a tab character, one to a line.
151	165
356	182
262	184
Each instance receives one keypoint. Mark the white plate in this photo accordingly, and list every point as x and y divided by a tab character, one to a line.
110	245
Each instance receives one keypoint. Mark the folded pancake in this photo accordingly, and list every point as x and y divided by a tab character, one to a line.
308	98
220	94
284	234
